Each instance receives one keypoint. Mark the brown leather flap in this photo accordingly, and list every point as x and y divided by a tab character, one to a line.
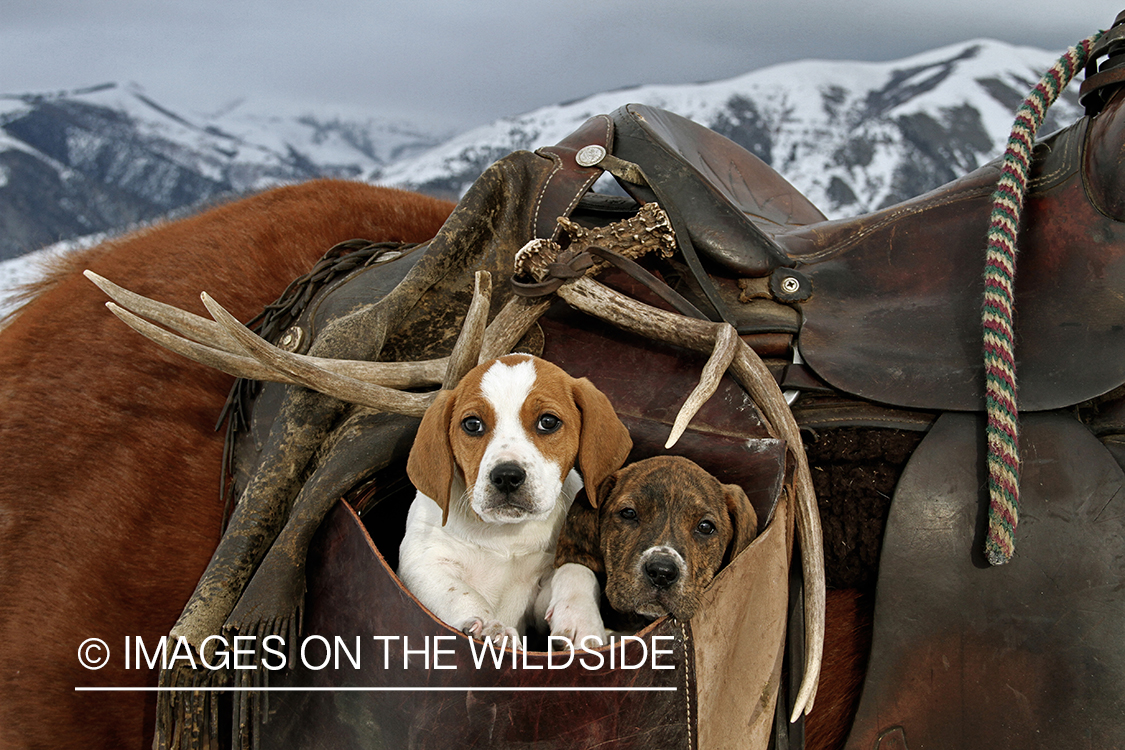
731	201
450	702
1027	654
726	437
895	310
740	640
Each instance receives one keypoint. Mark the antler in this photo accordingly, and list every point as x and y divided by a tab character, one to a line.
726	345
227	345
730	350
207	342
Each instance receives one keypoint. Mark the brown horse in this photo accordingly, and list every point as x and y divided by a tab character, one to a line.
109	502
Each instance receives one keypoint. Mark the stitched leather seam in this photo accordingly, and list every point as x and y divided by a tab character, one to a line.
1070	146
557	159
687	684
543	192
608	124
817	422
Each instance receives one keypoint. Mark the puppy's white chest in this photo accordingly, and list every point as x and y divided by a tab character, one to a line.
467	568
508	583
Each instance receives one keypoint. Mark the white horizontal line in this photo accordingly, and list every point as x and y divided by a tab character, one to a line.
372	689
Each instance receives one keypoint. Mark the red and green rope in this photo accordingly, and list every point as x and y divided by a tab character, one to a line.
999	277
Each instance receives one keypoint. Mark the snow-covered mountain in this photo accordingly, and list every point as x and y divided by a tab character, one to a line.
854	137
78	162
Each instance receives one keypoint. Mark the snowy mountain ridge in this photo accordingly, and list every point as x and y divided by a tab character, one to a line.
105	157
853	136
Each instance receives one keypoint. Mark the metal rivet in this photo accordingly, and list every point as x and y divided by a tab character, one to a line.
291	340
790	285
590	156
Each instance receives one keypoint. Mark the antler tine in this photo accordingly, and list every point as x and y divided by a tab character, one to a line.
209	343
752	372
238	365
311	375
598	300
466	352
517	316
195	327
726	341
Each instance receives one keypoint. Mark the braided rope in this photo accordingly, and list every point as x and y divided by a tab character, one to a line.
996	318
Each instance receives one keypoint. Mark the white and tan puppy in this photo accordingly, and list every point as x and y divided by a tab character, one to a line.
494	465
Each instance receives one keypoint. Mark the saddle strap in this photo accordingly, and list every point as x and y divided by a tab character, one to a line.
571	265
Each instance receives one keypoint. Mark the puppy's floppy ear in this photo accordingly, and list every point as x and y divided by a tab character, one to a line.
580	539
605	441
431	465
743	517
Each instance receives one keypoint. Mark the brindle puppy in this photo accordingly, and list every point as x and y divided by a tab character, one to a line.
664	529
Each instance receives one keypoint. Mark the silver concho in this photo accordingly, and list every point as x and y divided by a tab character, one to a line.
590	156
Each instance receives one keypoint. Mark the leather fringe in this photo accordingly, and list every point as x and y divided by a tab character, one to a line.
251	704
189	706
187	709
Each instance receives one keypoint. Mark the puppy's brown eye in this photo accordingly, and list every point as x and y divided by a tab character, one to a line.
472	426
706	528
628	514
547	424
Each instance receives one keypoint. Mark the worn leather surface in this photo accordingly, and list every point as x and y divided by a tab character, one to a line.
730	199
894	315
737	637
1024	655
353	592
1103	161
740	641
569	180
727	437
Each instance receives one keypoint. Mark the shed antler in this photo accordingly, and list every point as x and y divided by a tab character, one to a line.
227	345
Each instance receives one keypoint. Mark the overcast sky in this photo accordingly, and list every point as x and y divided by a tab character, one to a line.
457	64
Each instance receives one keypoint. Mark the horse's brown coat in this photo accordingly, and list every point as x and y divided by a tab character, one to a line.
109	502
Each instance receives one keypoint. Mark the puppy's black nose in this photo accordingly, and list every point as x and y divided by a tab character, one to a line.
661	572
507	477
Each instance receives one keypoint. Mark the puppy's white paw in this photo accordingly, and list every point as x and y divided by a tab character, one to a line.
492	630
577	619
573	608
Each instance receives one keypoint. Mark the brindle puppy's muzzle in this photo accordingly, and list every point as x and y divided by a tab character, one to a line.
661	571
